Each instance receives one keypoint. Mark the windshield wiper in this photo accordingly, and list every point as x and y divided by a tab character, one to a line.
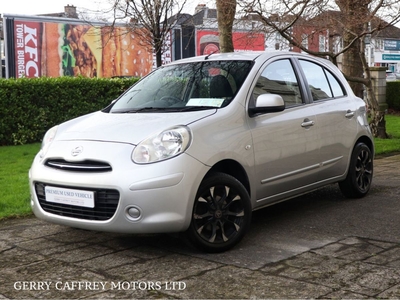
194	108
141	109
164	109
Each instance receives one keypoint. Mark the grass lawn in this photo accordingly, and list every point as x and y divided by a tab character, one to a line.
391	145
16	161
14	192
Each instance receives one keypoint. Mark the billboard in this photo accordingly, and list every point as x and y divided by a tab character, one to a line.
46	47
207	41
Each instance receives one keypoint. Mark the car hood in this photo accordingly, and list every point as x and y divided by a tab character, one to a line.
129	128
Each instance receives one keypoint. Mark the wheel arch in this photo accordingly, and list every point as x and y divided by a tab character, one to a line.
362	139
360	170
367	141
233	168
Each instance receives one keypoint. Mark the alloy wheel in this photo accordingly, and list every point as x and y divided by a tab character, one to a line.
363	169
221	213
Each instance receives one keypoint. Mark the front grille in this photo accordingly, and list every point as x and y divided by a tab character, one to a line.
80	166
105	204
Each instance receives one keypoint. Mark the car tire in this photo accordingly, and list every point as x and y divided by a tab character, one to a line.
359	175
221	213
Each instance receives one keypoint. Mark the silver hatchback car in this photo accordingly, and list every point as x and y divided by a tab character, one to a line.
200	143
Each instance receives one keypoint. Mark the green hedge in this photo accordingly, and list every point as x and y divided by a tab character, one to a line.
393	94
30	106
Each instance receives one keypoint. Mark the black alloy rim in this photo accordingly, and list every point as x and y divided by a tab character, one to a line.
363	170
219	214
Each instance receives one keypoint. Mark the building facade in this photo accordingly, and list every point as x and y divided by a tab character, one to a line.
197	34
323	34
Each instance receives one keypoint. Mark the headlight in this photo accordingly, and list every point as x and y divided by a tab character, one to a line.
48	138
167	144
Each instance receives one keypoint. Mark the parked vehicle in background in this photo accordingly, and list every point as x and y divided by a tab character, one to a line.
200	143
390	76
3	68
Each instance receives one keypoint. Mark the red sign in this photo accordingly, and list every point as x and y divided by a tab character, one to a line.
27	49
208	41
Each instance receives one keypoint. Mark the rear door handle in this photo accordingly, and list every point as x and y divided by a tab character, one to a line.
307	123
349	114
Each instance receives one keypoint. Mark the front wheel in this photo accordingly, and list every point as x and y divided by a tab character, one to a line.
359	176
221	213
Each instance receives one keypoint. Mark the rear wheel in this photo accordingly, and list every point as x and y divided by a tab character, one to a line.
221	213
359	176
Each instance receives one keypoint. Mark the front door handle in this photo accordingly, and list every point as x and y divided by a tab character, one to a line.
307	123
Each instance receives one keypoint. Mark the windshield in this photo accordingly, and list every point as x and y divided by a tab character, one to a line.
189	86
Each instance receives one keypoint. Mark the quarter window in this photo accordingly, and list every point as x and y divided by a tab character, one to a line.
322	83
337	89
279	78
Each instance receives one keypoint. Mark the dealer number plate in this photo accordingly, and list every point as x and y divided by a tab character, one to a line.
69	196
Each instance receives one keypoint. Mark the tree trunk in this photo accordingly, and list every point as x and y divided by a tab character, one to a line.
351	61
378	125
377	122
351	67
356	16
158	58
226	10
158	46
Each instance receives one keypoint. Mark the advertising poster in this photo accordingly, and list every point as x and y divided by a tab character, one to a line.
27	49
207	42
60	49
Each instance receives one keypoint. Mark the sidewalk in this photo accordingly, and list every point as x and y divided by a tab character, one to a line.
291	255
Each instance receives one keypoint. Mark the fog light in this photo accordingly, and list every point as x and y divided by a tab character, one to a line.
133	213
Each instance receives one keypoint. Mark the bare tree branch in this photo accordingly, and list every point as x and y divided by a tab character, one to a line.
348	20
153	18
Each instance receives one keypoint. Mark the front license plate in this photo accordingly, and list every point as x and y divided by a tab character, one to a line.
69	196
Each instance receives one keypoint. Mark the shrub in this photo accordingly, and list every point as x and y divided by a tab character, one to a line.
393	95
30	106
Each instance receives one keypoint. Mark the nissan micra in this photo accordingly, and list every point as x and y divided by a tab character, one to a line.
199	144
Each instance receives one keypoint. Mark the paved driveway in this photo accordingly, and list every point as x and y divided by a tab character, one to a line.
319	245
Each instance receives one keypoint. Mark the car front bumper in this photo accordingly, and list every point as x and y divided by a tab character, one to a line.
151	198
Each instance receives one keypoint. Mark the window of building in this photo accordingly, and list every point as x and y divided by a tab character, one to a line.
304	40
322	43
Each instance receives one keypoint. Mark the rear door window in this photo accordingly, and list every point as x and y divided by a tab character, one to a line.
321	82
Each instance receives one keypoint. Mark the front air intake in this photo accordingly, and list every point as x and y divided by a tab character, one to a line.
105	204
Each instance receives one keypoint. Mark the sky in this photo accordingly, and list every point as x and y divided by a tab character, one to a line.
34	7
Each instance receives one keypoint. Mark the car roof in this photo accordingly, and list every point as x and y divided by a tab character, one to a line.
244	55
248	55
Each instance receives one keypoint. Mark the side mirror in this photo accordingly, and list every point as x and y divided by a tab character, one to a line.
267	103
